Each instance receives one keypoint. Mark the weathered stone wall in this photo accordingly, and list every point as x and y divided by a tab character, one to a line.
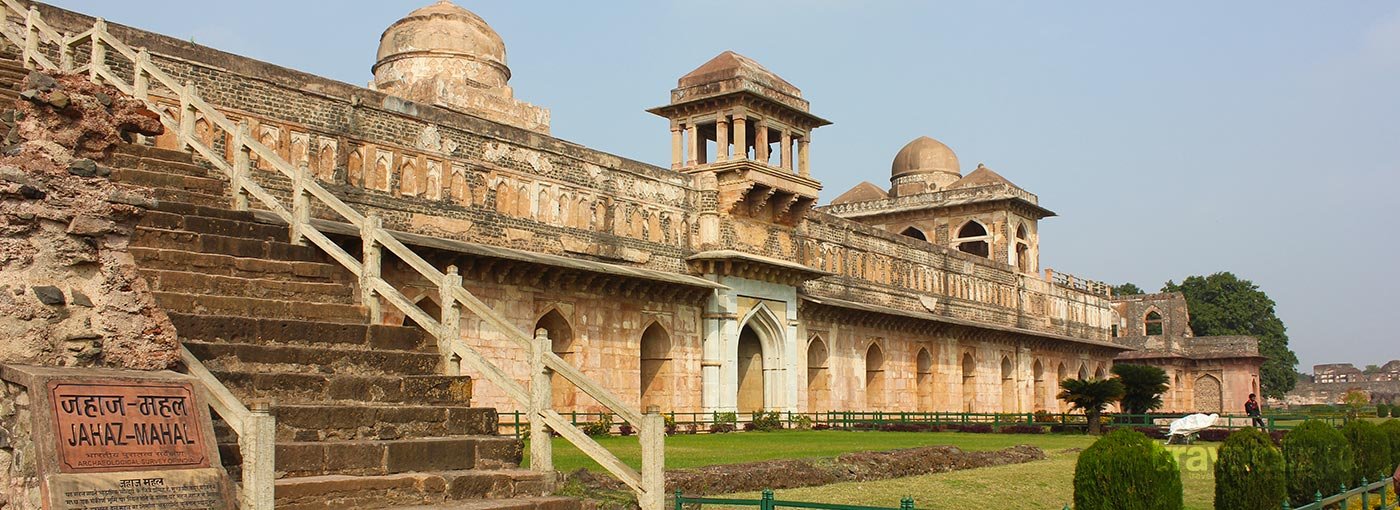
1311	393
18	468
1131	313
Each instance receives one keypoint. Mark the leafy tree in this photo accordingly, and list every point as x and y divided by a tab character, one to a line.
1223	304
1127	289
1250	473
1143	387
1355	400
1091	396
1372	370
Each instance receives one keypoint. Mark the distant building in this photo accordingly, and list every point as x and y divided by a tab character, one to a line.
1337	373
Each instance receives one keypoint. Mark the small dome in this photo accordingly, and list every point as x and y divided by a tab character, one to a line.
925	155
444	30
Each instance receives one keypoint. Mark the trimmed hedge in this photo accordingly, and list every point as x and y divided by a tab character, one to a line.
1371	448
1318	459
1124	463
1249	474
1382	410
1392	432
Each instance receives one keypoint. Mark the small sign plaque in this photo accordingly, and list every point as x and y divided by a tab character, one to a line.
106	426
132	490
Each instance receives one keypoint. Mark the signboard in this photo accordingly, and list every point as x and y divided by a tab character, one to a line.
107	439
123	425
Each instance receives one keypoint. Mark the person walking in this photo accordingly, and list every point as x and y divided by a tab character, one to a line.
1252	409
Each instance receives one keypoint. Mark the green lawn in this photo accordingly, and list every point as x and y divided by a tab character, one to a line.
683	451
1042	485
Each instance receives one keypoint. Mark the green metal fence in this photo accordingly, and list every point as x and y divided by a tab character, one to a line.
515	423
1369	493
768	502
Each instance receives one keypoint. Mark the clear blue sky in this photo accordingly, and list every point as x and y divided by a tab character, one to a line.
1173	138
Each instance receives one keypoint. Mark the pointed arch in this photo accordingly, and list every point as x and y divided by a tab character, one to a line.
655	384
969	382
1083	370
1152	322
818	375
325	162
408	178
561	341
355	168
874	377
915	233
380	177
972	237
1101	372
1061	374
759	353
1041	385
923	379
1207	395
1008	385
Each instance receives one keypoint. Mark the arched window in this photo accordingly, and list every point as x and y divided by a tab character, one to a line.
972	238
915	233
1008	386
1041	386
1152	324
561	340
874	377
1023	250
655	382
1083	371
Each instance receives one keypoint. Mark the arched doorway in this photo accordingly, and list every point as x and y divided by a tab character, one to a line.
969	382
1061	374
924	379
1083	371
1207	394
1041	387
655	384
874	377
750	371
818	376
561	339
1008	385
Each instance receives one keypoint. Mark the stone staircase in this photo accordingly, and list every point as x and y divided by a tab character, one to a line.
364	417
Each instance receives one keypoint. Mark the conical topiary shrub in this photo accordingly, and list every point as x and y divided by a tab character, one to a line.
1127	471
1371	448
1318	459
1249	474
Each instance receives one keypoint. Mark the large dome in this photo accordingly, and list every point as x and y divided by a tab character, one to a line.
925	155
444	32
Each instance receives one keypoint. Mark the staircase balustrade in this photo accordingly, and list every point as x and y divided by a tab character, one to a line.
255	427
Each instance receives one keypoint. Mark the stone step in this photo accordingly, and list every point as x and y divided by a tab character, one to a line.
207	210
360	422
217	226
148	151
180	195
544	503
244	267
170	181
369	458
319	359
255	307
278	331
148	237
335	492
121	160
294	387
279	289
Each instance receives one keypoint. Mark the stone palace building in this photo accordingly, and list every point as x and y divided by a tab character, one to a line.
716	282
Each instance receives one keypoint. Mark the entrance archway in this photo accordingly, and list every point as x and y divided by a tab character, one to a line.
561	339
874	377
655	384
750	371
924	379
818	376
969	382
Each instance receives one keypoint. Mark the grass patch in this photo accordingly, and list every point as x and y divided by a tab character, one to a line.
685	451
1041	485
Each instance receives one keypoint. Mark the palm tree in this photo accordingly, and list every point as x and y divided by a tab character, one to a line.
1091	396
1143	386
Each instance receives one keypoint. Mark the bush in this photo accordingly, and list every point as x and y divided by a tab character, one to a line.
973	428
1318	459
1249	474
724	423
625	429
670	422
1125	470
765	422
1278	436
1392	432
1371	448
899	426
1382	410
600	427
1152	432
1213	435
1043	416
821	426
1023	429
803	422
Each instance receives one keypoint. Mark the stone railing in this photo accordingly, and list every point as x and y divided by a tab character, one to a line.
1080	284
924	199
258	468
